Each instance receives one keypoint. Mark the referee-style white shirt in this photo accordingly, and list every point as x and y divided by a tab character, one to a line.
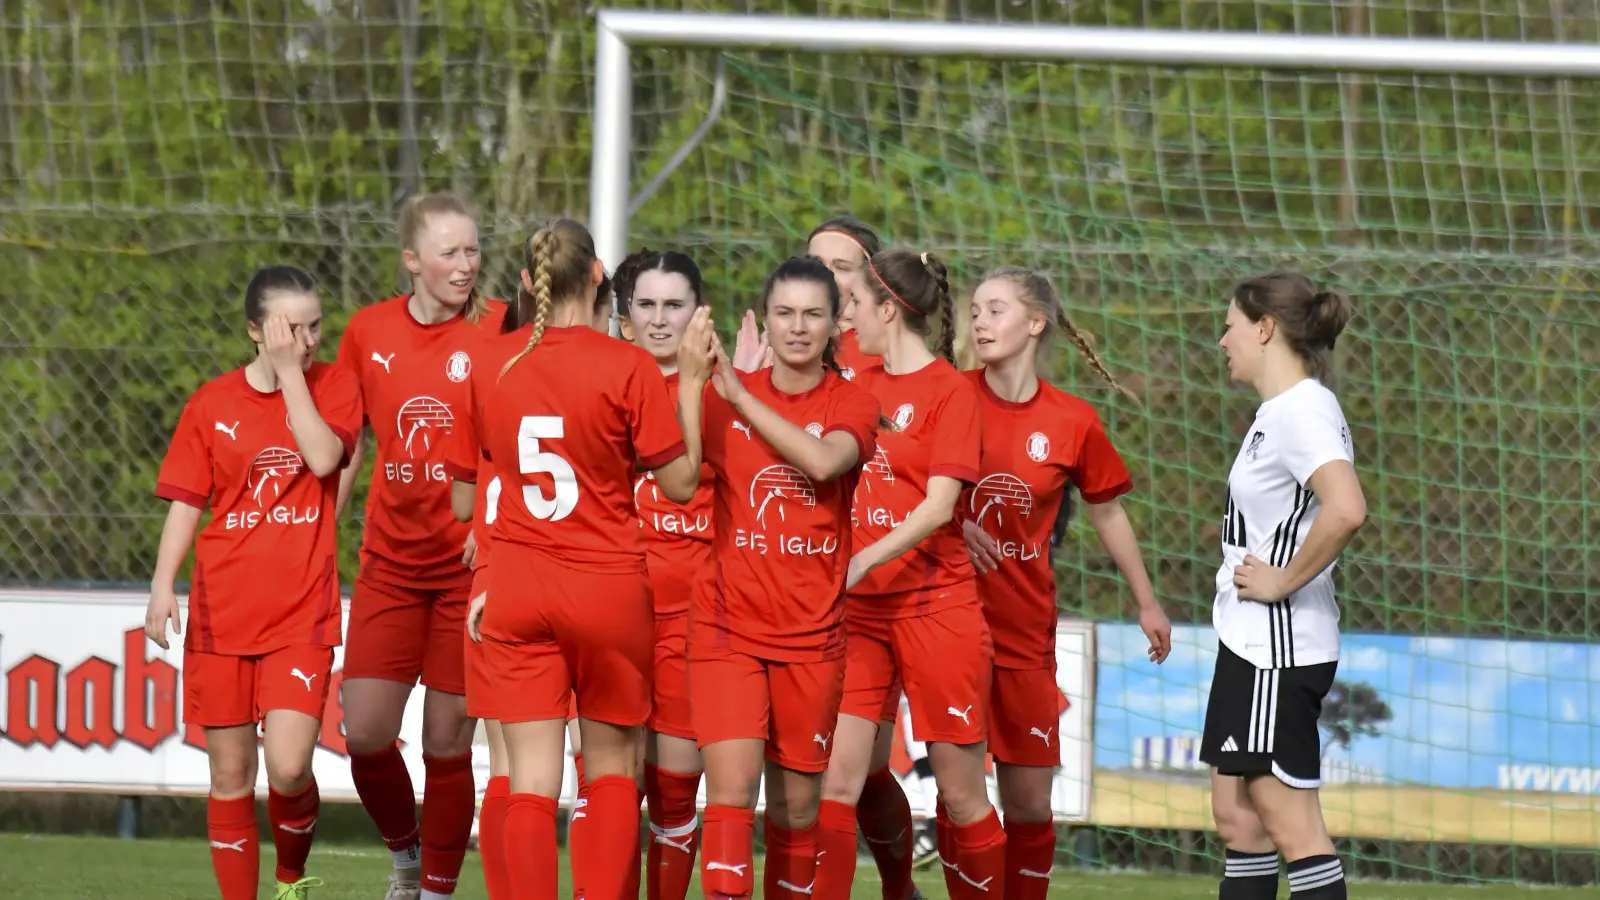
1269	513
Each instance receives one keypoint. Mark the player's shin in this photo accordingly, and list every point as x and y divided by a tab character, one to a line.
611	834
293	819
674	828
791	863
530	847
884	817
491	837
235	846
447	802
727	852
836	850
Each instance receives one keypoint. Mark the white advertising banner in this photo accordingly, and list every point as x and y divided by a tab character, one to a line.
89	704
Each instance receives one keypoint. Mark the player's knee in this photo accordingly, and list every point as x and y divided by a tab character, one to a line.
289	776
232	776
1237	824
1294	825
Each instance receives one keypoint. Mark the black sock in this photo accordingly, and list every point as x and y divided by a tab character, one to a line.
1317	878
1249	876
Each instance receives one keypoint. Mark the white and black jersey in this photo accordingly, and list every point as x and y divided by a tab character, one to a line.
1269	512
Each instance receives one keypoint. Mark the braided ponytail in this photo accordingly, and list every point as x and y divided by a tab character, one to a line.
1085	344
946	305
539	249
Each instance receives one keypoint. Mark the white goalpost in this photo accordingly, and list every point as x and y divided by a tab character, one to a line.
619	31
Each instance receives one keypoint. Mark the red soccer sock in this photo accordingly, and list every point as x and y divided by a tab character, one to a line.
235	846
447	800
580	813
1030	854
294	824
791	864
530	845
611	833
670	798
836	851
943	835
883	814
384	786
728	852
491	837
980	859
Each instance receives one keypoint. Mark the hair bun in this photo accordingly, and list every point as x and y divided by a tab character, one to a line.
1331	312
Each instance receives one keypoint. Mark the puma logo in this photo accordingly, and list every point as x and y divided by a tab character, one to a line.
980	885
886	841
685	845
795	889
383	362
236	846
960	713
229	429
1029	873
741	426
822	740
306	830
1042	735
303	677
737	870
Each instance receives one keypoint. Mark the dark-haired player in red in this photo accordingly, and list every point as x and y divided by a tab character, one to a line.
261	447
566	423
766	638
1037	441
844	244
413	356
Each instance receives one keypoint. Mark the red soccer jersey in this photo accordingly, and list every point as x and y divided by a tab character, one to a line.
566	429
935	414
413	383
266	565
677	539
782	542
1031	452
849	356
464	459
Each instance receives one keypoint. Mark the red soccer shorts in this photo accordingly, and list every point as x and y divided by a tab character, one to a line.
479	703
669	712
1025	717
407	634
223	691
550	630
791	706
945	660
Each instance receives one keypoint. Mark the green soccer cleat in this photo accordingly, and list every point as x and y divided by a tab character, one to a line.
300	890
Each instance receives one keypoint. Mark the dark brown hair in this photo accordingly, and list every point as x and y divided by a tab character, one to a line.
919	285
414	215
1038	292
811	270
852	228
559	258
646	260
1310	319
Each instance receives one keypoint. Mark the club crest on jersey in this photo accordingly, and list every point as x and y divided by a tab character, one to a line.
270	472
776	486
902	416
1038	447
417	422
1000	492
1254	448
458	366
814	429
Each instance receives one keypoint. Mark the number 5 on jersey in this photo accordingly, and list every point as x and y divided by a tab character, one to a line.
531	461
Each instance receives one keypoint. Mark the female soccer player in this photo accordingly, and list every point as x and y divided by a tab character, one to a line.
766	641
658	293
412	357
1036	441
566	421
913	610
844	244
264	596
1294	503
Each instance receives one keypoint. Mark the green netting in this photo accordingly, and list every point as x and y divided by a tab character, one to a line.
149	159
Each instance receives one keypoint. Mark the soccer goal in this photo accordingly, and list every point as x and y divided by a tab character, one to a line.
1450	186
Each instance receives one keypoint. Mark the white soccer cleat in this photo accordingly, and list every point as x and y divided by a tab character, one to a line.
405	884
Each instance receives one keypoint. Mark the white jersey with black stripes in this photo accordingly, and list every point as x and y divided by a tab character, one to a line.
1269	512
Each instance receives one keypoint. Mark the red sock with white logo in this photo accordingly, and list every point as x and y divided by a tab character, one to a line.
674	832
836	851
980	869
235	846
883	815
530	842
575	826
727	852
294	825
384	786
1030	854
611	832
447	800
943	835
491	837
791	864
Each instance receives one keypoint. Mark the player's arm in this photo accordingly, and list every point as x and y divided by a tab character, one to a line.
819	459
936	510
347	478
679	478
463	494
177	535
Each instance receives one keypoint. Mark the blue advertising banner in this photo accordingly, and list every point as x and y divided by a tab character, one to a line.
1423	738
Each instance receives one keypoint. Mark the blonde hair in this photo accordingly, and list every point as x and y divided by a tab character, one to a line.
414	216
559	258
1035	289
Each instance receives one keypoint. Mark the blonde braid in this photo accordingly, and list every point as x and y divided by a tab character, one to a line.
540	246
1085	346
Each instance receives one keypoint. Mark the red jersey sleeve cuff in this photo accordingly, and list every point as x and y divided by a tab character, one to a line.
348	440
173	492
457	472
865	452
657	460
959	473
1109	494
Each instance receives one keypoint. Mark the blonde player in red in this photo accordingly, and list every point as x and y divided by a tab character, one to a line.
766	639
913	611
844	244
261	447
658	293
412	355
567	421
1037	442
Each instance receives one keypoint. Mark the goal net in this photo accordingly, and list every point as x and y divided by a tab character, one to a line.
149	162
